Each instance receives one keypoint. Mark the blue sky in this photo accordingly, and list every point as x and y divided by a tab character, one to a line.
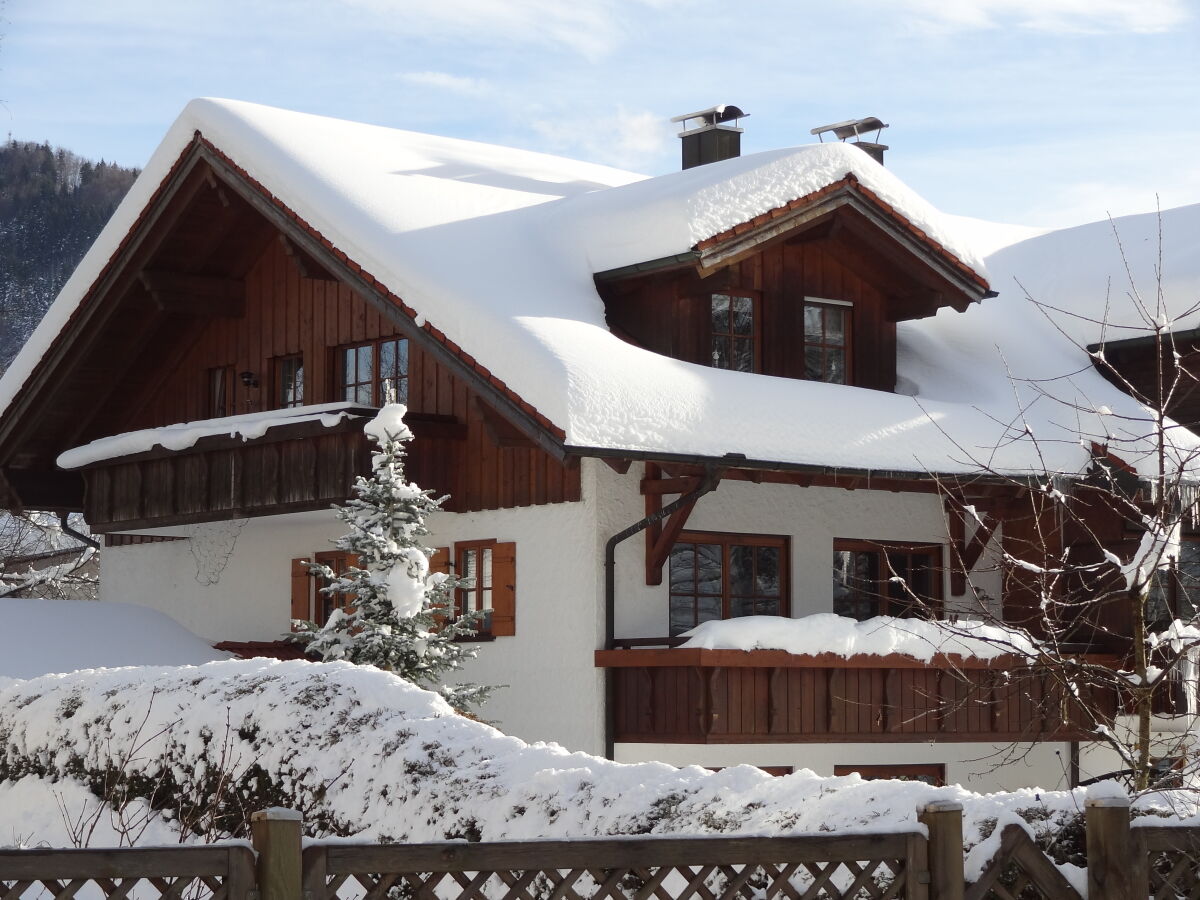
1040	112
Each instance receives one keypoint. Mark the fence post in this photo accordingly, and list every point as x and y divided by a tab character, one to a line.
276	836
1109	848
943	818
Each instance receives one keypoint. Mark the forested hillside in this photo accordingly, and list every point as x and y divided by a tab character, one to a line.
52	205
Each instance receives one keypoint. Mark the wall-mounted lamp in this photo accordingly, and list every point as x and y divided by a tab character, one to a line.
249	379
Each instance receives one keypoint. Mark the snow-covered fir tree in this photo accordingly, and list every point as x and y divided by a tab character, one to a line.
397	615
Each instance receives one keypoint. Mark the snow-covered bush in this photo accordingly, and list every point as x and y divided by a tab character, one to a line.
396	613
364	753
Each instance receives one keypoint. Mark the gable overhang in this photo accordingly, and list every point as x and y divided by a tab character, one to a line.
842	206
56	390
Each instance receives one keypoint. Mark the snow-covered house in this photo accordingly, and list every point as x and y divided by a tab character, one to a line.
789	343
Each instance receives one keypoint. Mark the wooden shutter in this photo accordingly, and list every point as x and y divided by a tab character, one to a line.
504	590
301	591
440	562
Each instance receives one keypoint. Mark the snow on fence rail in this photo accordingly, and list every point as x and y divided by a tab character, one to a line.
1124	862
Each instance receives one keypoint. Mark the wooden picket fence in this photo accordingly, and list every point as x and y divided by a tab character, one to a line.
1124	862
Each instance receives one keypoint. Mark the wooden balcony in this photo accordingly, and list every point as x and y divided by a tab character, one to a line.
685	695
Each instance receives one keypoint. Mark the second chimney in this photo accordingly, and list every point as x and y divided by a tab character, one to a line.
706	138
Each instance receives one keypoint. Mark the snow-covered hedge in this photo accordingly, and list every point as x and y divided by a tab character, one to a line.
363	753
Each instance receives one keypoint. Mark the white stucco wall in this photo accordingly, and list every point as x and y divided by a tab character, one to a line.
810	517
978	767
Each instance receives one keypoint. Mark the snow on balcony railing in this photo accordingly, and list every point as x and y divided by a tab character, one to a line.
828	633
184	435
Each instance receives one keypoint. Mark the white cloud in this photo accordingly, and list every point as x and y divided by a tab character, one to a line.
1083	16
591	28
456	84
630	139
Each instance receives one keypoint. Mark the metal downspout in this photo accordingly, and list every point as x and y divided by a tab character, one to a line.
712	477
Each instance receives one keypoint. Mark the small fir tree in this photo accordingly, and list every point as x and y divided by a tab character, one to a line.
397	615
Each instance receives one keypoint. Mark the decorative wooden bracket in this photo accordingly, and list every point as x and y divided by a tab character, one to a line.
661	538
305	264
502	432
964	553
195	295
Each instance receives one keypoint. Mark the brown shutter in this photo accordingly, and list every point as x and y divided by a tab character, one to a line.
440	562
301	590
504	590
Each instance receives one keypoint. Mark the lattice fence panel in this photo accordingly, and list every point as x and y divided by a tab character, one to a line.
1172	857
862	868
1020	871
174	873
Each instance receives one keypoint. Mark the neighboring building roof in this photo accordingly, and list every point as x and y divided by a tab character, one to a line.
1077	270
497	249
67	635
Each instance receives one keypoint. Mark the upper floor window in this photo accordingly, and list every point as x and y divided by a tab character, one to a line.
474	563
375	372
827	340
1175	588
289	381
724	576
872	578
734	332
220	392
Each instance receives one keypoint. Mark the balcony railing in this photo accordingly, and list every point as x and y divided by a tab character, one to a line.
690	695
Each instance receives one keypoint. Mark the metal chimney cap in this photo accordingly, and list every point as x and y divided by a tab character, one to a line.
714	115
851	128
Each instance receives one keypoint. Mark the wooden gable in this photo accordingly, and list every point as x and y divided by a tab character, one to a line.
218	275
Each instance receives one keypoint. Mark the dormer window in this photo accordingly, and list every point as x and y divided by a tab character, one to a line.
734	332
827	340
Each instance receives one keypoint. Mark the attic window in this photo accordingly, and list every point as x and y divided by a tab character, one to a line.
375	372
734	332
827	340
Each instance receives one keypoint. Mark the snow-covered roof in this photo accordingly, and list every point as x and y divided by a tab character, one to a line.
406	207
68	635
1094	272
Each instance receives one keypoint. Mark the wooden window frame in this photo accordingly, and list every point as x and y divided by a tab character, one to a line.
848	331
736	539
504	583
377	379
210	401
323	605
934	603
277	391
756	330
1166	586
913	771
477	590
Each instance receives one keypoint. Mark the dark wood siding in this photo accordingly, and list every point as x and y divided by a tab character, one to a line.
669	313
455	452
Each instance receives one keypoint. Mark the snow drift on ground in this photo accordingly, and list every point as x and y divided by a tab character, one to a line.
406	207
66	635
367	754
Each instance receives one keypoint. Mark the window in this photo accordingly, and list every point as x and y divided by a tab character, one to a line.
289	381
219	391
873	578
927	773
474	562
734	336
827	340
308	603
1175	590
724	576
492	567
374	373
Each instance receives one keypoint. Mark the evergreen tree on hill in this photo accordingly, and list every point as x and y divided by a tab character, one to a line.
52	206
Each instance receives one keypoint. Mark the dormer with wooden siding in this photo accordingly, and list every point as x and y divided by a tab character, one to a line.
812	290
